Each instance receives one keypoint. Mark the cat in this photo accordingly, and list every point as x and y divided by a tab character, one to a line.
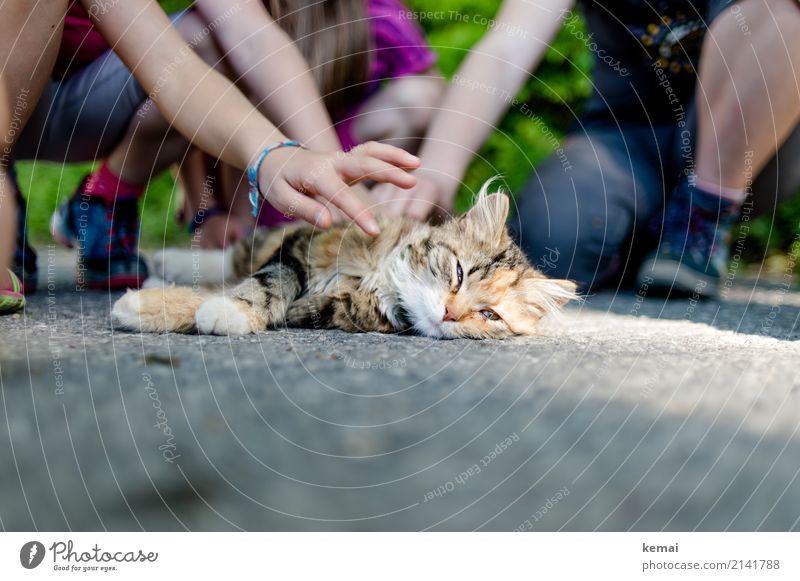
462	278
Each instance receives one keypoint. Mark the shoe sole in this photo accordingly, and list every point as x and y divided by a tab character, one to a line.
672	276
117	282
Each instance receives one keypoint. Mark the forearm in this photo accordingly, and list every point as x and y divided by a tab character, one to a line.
285	90
484	87
401	111
214	115
199	102
269	65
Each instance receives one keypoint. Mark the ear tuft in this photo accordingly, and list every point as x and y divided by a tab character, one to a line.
548	295
490	211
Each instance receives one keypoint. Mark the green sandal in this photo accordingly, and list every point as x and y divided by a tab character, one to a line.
12	300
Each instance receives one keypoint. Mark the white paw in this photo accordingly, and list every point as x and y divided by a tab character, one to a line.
126	312
193	266
222	316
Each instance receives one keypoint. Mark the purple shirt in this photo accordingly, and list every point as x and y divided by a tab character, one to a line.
399	49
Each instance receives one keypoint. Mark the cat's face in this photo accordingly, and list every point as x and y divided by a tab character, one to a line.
466	278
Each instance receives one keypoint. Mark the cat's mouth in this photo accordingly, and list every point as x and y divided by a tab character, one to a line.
437	328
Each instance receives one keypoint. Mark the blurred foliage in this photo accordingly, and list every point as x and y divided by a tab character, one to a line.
554	92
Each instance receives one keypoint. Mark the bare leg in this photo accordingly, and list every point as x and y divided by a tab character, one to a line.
208	190
29	44
8	227
748	97
748	103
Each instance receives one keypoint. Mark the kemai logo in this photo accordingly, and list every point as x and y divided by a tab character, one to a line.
31	554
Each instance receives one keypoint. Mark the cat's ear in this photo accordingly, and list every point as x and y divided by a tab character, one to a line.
489	214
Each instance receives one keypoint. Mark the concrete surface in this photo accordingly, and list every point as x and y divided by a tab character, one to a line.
627	413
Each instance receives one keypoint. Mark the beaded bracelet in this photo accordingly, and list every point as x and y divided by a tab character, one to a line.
252	171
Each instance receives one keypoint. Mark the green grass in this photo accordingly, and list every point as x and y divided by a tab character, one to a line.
554	93
45	185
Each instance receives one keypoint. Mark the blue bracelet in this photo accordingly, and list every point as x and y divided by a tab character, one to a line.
252	171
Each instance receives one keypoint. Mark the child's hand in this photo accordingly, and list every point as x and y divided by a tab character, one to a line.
426	198
363	194
291	179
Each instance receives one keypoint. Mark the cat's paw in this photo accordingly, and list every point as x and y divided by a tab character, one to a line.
224	316
126	312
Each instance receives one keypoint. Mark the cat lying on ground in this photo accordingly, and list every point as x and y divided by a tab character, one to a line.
463	278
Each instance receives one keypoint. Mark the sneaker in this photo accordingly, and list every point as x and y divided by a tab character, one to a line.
106	238
693	252
12	299
25	259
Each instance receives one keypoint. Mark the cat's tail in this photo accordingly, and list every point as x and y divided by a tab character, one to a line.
158	310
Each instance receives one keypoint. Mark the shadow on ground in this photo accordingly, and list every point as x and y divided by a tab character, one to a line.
609	420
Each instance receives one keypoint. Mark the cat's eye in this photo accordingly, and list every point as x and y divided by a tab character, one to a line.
459	275
490	315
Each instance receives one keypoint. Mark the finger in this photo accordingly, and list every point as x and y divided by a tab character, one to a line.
388	153
296	205
332	188
358	168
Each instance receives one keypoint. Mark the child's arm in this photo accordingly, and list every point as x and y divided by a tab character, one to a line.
401	111
273	70
477	97
204	106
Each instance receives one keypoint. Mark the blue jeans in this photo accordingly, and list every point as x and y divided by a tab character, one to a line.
583	214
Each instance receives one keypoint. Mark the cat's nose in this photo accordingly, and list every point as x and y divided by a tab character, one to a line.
449	315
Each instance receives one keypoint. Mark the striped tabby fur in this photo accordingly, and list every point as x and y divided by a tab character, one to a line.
463	278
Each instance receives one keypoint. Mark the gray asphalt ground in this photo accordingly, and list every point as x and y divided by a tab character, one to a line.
627	413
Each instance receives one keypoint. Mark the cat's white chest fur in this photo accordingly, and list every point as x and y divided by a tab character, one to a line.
382	283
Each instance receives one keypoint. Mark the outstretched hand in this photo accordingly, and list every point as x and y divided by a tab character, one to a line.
291	179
